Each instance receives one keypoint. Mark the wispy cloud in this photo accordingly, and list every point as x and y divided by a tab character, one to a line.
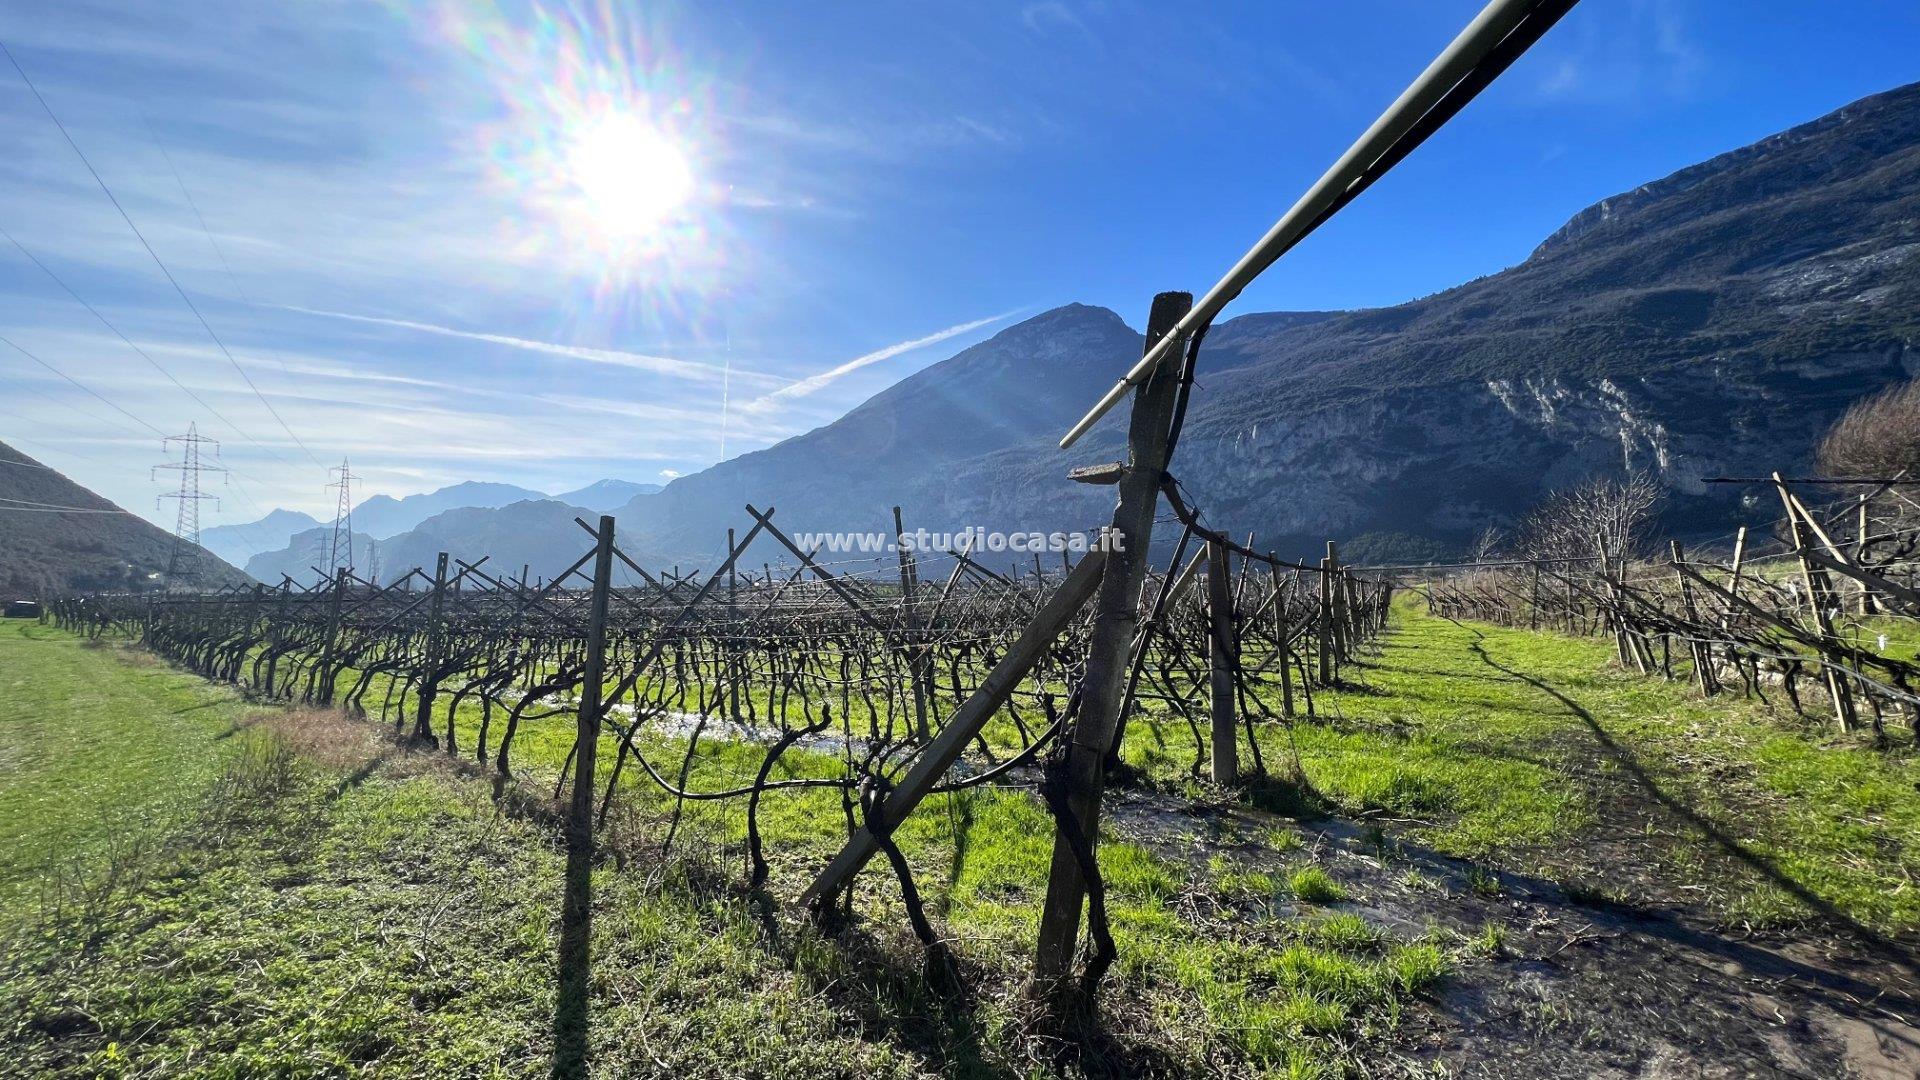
1050	15
1647	54
659	365
814	383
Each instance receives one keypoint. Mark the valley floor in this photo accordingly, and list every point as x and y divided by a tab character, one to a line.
1489	855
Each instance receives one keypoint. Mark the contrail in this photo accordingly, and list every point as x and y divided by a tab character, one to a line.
816	382
659	365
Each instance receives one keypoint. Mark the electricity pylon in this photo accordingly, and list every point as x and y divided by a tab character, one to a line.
340	551
186	529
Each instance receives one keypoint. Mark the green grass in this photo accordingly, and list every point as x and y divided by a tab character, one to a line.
354	908
1515	746
89	763
319	902
1313	885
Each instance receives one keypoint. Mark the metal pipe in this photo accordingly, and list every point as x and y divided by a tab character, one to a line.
1481	36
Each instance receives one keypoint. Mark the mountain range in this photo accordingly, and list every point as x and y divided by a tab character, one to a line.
1714	321
283	534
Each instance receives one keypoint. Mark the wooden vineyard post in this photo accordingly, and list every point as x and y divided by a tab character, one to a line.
323	692
576	910
430	672
1860	555
909	616
1701	652
1280	632
731	652
1819	596
1336	608
1116	617
1733	583
1351	628
1324	626
1220	658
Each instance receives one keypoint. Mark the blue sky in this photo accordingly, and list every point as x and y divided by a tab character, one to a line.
375	207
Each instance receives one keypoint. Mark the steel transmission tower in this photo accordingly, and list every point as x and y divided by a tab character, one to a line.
192	463
340	551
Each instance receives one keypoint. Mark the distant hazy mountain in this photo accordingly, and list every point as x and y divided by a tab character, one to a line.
605	495
1712	322
383	515
308	554
238	543
47	550
534	531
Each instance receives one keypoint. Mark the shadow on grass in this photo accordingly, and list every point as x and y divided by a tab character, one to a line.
1294	797
1728	844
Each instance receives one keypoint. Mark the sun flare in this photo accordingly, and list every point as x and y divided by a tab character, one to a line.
630	176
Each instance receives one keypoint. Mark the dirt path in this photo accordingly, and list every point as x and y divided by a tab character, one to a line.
1630	973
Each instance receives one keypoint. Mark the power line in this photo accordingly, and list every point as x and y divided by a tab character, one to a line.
9	342
154	255
62	510
233	279
23	504
104	321
70	406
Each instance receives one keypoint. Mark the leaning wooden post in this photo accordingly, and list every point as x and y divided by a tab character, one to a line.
1226	744
1116	618
1055	614
1702	652
1819	596
576	912
1733	584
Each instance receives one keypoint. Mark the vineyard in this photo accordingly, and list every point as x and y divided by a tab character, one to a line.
1613	794
790	724
908	689
1818	610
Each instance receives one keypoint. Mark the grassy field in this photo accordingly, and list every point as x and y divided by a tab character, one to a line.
333	903
1531	751
98	746
291	893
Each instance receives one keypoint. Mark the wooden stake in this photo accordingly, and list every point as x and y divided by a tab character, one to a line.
916	655
1115	621
945	749
1226	743
576	909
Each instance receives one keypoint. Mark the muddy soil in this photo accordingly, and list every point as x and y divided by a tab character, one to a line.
1581	987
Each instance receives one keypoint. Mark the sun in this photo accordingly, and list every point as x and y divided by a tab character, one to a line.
629	176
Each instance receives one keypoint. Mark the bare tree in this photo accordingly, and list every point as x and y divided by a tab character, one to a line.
1878	436
1605	513
1489	545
